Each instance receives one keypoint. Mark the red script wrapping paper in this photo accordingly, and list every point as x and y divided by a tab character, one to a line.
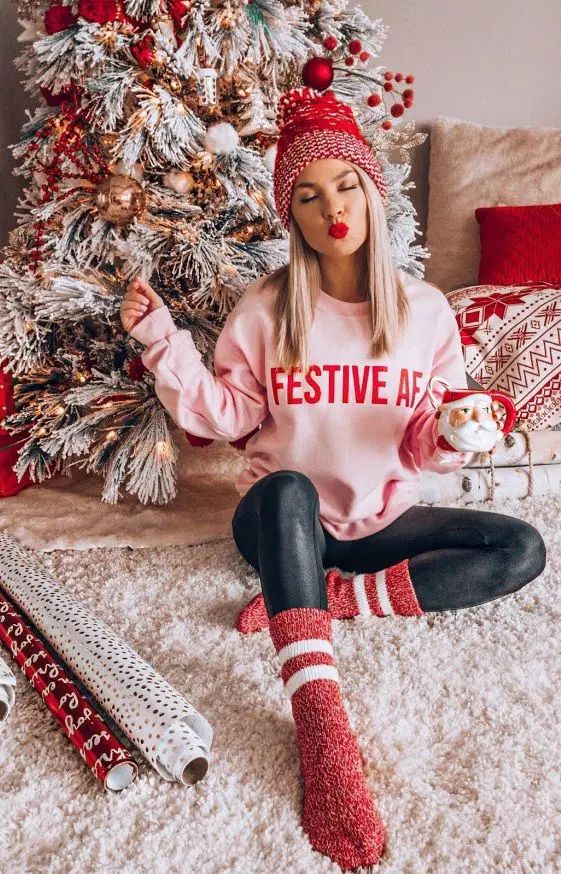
103	753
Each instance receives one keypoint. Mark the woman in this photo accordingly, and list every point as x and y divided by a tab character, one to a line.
325	364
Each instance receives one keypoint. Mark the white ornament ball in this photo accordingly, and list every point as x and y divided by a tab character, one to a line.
221	137
269	158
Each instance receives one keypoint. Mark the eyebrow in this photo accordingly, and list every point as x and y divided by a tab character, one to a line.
313	184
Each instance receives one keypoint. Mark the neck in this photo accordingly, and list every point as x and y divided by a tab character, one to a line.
343	277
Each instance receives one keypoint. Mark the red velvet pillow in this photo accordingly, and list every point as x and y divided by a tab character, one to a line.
520	245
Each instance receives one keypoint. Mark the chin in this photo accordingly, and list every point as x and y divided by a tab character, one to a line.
345	246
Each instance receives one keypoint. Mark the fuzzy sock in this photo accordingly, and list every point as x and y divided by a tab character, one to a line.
387	592
338	813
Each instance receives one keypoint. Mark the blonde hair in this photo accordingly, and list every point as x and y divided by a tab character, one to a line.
300	280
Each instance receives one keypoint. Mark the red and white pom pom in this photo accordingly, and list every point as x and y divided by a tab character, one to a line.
221	138
293	100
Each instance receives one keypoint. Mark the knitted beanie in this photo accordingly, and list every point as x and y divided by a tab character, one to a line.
313	125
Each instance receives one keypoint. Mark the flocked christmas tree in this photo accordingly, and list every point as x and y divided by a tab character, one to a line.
151	151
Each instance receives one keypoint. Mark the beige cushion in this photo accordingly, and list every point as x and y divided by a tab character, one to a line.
475	165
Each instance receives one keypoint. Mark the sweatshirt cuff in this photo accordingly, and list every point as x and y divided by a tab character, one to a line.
154	326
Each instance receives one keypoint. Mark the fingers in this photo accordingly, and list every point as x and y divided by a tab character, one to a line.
135	296
137	309
138	288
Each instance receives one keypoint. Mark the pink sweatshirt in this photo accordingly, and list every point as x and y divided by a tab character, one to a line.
361	428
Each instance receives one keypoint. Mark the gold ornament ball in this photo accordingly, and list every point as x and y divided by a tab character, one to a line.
120	198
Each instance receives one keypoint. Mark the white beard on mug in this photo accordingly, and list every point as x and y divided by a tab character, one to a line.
472	435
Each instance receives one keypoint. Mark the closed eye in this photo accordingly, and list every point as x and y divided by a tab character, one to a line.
308	199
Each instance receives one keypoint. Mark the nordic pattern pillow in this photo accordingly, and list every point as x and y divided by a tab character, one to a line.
511	340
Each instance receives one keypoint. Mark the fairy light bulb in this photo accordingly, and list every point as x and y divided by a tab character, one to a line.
162	449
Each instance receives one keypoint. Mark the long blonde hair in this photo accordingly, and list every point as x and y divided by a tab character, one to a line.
300	279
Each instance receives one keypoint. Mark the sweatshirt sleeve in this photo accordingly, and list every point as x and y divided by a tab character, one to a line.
226	406
419	441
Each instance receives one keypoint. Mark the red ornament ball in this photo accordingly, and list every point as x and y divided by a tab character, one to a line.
317	73
388	86
58	17
386	124
409	79
355	46
98	11
330	42
364	56
388	75
398	77
408	94
143	51
374	100
407	103
397	110
178	10
349	61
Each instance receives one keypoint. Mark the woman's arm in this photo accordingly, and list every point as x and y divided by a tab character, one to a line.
419	442
226	406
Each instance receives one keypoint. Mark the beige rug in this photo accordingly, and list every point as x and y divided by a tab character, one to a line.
458	722
66	512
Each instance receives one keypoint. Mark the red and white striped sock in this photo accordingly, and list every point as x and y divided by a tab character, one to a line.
338	813
388	592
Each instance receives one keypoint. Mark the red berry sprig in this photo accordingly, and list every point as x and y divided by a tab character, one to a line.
355	50
397	109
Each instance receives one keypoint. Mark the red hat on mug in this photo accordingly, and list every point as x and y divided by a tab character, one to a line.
314	125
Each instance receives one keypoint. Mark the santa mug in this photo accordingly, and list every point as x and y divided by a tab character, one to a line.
465	417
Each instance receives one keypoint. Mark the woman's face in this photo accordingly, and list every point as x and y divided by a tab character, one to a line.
327	191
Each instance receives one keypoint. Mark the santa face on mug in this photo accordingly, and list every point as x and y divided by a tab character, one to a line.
471	420
470	423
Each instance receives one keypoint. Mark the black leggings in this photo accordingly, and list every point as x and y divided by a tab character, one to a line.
458	557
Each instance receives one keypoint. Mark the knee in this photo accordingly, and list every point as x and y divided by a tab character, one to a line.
289	489
527	554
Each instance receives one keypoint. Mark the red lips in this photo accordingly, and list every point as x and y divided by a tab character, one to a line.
338	230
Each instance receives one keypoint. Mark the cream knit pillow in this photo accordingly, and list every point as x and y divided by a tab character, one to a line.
475	165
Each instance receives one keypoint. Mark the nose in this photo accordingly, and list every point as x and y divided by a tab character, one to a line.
334	210
478	414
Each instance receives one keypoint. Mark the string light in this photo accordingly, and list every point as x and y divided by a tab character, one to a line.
162	448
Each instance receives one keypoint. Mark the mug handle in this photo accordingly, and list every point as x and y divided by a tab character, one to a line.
508	404
433	379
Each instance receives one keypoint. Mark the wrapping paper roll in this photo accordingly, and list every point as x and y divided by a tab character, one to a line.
107	758
170	733
7	689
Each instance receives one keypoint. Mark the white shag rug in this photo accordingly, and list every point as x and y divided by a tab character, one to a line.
457	714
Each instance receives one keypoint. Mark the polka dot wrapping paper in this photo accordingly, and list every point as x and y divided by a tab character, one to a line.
107	758
169	732
7	689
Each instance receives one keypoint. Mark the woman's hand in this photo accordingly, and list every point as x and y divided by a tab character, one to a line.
139	300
